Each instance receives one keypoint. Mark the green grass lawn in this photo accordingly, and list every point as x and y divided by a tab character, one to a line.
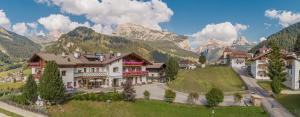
291	102
143	108
266	85
9	113
6	86
203	79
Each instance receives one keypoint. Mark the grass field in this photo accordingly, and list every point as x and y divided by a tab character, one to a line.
143	108
203	79
9	113
291	102
266	85
6	86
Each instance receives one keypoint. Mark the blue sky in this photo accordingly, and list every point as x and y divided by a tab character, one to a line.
189	16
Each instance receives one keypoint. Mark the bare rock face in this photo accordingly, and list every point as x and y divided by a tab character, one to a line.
133	31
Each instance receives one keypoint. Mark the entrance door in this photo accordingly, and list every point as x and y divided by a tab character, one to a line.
115	83
136	80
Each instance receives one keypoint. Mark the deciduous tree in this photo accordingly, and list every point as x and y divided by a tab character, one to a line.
172	68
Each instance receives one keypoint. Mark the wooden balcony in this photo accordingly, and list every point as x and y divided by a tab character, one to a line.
132	63
134	73
34	64
90	74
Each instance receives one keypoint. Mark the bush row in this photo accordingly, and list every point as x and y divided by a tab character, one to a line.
114	96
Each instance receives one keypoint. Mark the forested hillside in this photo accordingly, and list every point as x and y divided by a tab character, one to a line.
16	46
285	38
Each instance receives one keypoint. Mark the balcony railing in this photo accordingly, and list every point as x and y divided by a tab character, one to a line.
90	74
132	63
34	64
135	73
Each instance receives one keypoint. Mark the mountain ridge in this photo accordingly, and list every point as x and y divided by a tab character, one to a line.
87	40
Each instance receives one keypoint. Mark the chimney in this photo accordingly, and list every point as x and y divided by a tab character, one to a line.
118	54
76	54
63	54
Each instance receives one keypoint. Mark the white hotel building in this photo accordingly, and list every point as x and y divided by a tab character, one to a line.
93	70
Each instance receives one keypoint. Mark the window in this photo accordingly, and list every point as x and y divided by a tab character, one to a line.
84	69
69	85
74	84
93	69
63	73
115	69
79	71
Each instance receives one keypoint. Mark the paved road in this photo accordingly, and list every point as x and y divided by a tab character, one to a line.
157	92
3	115
19	111
274	108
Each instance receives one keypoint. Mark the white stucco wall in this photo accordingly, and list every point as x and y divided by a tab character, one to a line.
292	80
69	77
112	75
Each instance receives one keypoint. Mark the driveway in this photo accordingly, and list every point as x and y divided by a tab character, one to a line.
274	108
157	92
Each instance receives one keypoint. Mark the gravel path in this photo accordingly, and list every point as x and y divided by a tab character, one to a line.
19	111
157	91
274	108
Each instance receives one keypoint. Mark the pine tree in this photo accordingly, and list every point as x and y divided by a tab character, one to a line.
128	91
202	58
172	68
51	87
297	45
276	68
30	89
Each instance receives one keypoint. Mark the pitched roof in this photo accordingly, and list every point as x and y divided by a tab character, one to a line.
84	59
155	65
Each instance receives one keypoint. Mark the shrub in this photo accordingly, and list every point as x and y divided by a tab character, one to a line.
146	95
169	95
238	97
20	99
114	96
214	97
193	97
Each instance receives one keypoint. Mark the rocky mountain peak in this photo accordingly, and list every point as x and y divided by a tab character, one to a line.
133	31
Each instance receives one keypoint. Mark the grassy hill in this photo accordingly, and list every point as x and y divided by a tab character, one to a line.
285	38
203	79
90	41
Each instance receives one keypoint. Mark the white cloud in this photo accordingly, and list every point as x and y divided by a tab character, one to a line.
285	18
56	24
109	13
262	39
4	21
224	32
20	28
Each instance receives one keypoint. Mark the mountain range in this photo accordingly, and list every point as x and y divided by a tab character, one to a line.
88	40
16	46
133	31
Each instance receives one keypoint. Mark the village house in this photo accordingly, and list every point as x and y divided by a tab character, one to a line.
234	58
259	64
93	70
156	72
187	64
293	71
